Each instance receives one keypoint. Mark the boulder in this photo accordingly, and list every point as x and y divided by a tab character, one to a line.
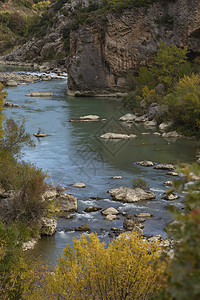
157	133
155	110
141	119
48	226
78	185
172	134
164	167
50	194
10	83
130	224
172	173
90	117
165	126
150	123
110	211
143	215
116	177
29	245
145	163
131	195
85	227
168	183
92	209
9	104
68	203
128	118
40	94
119	136
171	197
111	218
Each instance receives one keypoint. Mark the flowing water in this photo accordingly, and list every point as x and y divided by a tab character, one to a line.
75	153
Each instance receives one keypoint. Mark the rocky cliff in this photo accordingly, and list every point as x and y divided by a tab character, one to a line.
105	50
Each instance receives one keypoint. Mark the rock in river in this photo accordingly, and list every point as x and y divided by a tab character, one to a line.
40	94
48	226
92	209
68	203
78	185
110	211
131	195
164	167
145	163
85	227
128	118
119	136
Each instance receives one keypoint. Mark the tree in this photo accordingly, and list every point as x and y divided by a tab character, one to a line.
123	270
167	64
184	103
184	270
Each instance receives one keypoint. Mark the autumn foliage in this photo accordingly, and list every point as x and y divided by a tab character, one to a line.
123	270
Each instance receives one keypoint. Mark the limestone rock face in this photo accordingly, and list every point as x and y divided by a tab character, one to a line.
102	55
48	226
131	195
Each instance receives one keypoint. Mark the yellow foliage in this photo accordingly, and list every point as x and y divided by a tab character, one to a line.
124	270
149	95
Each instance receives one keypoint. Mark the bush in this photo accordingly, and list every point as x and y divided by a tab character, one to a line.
124	270
140	183
184	103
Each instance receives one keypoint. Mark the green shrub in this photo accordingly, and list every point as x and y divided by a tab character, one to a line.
140	183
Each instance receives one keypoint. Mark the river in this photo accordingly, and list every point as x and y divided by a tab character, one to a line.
75	153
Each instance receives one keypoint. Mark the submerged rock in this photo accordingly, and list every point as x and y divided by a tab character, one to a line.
164	167
145	163
40	94
90	117
78	185
172	134
119	136
131	195
130	224
92	209
111	217
168	183
143	215
171	196
116	177
9	104
172	173
85	227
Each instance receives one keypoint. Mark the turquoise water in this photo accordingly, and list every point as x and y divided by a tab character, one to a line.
75	153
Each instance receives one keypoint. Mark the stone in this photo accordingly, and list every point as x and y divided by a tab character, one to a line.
128	118
171	197
129	195
29	245
78	185
119	136
48	226
116	177
157	133
165	126
92	209
41	135
145	133
11	83
67	202
110	211
85	227
198	161
90	117
160	89
9	104
150	123
143	215
115	229
111	218
168	183
40	94
172	173
130	224
145	163
164	167
51	193
141	119
172	134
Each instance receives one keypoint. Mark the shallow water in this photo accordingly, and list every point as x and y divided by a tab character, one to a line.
75	153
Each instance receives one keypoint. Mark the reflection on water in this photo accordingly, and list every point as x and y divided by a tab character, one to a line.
74	152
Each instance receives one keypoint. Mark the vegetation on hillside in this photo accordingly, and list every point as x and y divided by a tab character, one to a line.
171	80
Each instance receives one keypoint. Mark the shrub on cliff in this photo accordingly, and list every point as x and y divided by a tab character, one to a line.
123	270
